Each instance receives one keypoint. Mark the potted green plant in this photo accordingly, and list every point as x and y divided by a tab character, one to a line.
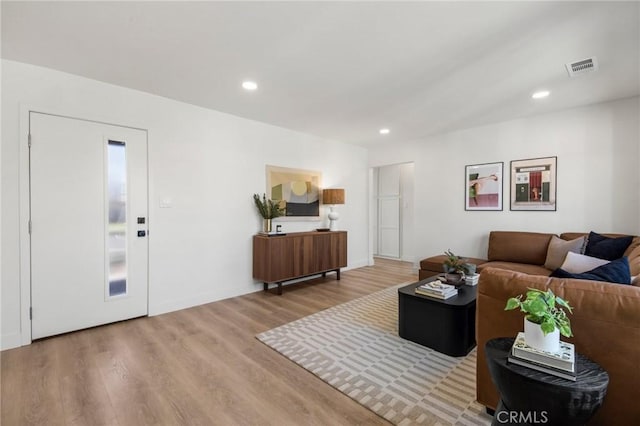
453	264
545	318
268	209
456	267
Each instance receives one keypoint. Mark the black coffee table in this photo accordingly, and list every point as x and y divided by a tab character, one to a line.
448	326
537	397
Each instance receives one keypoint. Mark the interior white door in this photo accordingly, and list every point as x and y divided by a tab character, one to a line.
389	227
89	250
389	211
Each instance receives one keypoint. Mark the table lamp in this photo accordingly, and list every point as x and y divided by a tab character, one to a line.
333	197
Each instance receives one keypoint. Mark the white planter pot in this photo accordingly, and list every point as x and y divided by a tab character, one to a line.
535	338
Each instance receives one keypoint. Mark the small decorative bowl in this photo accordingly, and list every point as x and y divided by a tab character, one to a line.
454	279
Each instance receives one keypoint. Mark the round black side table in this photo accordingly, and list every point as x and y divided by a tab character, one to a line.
528	396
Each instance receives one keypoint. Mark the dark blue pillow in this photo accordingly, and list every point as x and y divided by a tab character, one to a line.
606	248
616	271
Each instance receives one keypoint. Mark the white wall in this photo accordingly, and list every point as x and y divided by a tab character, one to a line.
208	163
598	150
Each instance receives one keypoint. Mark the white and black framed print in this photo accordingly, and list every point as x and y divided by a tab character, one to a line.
484	186
533	184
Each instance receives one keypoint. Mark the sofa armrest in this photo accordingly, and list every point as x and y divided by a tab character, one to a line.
492	321
606	324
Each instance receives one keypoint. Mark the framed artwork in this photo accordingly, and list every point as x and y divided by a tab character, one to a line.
297	191
483	183
533	184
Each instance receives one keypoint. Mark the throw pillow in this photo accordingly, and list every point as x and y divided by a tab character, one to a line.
579	263
616	271
558	249
605	247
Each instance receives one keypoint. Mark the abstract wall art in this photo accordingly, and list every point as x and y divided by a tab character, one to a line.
484	186
533	184
297	191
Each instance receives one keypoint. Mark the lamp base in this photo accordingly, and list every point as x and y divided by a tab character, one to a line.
333	219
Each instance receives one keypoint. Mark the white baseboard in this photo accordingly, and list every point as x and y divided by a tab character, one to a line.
411	259
357	264
10	341
189	302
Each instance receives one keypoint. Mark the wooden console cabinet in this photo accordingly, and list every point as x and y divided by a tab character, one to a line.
281	258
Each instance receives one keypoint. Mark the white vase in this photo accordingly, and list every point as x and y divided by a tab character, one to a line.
535	338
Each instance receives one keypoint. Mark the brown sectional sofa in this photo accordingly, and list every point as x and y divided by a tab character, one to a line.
606	319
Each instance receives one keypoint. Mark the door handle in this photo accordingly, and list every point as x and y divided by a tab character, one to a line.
142	234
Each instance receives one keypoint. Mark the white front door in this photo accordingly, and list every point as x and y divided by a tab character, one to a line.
89	250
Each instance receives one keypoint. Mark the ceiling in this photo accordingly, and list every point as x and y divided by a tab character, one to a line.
342	70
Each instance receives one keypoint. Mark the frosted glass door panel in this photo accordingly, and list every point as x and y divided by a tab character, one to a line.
117	226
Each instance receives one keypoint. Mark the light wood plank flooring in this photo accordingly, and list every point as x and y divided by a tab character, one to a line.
198	366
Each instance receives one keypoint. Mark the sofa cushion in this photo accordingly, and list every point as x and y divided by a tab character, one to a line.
577	263
434	263
558	249
616	271
605	247
574	235
525	268
519	247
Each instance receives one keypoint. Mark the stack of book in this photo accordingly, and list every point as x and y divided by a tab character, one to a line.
471	279
437	289
560	364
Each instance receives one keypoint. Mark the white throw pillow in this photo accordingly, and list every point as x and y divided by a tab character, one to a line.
579	263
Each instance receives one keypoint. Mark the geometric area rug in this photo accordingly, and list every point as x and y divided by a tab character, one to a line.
355	348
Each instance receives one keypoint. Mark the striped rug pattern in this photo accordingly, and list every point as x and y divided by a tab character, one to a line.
355	348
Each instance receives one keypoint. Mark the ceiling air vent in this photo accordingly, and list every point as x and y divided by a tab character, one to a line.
582	67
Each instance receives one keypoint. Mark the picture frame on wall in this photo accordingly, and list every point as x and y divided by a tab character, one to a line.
534	184
297	191
483	186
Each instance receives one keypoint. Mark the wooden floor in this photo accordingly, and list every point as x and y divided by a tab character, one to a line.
198	366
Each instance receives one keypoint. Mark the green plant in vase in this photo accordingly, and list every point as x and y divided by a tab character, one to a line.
545	318
545	309
268	209
454	264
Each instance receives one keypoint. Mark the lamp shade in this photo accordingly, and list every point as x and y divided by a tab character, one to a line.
333	196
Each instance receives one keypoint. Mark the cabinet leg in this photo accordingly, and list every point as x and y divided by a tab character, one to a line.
338	274
265	286
279	289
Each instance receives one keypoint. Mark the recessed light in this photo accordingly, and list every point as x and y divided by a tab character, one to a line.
384	131
249	85
541	94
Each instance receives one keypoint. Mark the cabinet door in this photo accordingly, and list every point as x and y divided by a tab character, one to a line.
302	255
322	252
339	250
330	251
272	259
